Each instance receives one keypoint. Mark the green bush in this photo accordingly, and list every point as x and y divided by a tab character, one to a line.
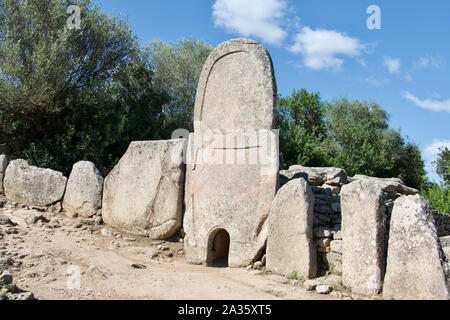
439	197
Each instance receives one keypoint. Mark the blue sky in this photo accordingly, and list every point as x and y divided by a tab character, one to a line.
326	46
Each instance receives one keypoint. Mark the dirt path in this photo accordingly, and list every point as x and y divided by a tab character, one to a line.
44	257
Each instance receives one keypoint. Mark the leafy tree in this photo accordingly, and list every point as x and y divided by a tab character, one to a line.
177	68
443	165
300	118
439	197
362	143
45	65
352	135
69	95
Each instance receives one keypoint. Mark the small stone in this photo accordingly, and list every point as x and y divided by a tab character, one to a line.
106	233
130	239
336	207
336	246
311	284
335	190
337	235
322	233
4	220
257	265
138	266
323	243
6	278
24	296
324	289
98	220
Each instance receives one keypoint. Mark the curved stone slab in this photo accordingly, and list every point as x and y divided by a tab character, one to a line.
236	89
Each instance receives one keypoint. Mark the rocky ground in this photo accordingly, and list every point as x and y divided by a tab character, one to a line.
50	256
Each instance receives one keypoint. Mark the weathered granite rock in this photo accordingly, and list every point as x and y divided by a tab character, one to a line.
415	264
445	241
392	186
233	158
33	186
363	230
84	190
143	194
336	246
316	176
290	245
3	165
236	89
234	198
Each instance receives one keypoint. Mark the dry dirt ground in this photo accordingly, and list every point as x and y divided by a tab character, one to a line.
44	257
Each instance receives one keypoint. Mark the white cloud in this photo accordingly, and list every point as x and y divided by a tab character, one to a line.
252	18
430	104
324	49
427	61
430	155
377	82
392	64
362	62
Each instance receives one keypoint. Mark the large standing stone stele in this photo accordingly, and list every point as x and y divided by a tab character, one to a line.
33	186
143	194
416	267
364	222
84	190
290	245
231	195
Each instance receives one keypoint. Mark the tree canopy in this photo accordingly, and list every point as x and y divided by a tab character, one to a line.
443	165
84	94
353	135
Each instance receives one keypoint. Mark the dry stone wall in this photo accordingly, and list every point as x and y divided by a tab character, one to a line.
442	222
326	184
